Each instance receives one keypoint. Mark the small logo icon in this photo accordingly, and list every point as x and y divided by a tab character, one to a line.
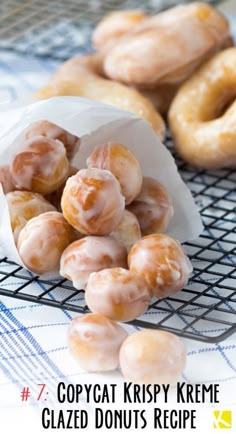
222	419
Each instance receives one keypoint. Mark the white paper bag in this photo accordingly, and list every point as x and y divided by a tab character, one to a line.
97	123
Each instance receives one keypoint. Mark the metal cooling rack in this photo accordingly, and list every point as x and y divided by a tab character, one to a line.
205	309
59	28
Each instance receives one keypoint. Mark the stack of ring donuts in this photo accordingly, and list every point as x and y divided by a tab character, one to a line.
102	227
83	76
150	64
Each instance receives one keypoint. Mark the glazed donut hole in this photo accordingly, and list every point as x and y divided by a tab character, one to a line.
41	166
152	357
117	293
160	260
6	179
94	341
55	197
120	161
42	240
92	202
52	131
128	230
90	254
23	206
153	207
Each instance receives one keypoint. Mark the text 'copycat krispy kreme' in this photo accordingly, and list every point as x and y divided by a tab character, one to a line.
134	413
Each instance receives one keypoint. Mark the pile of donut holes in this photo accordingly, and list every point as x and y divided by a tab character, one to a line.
102	227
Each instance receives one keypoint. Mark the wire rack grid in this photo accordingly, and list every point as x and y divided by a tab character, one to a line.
205	309
62	29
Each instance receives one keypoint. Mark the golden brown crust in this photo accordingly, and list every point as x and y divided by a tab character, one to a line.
152	357
82	76
91	254
114	25
95	341
42	241
160	96
153	207
23	206
6	179
41	165
122	163
118	294
202	126
166	48
128	230
52	131
92	202
161	261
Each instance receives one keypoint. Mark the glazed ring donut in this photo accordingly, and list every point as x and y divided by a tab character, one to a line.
167	48
115	25
160	96
203	131
83	76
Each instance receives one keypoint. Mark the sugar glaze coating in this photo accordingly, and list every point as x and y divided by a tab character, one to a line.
42	241
153	207
128	230
94	341
120	161
161	261
92	202
52	131
23	206
90	254
152	357
118	294
41	166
